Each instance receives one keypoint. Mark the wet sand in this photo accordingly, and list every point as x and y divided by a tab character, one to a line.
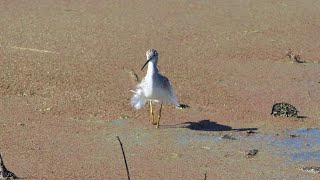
65	88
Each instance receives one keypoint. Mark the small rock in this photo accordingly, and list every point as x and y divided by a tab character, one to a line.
251	152
250	132
226	136
205	147
298	59
293	135
182	106
311	169
21	124
124	117
295	57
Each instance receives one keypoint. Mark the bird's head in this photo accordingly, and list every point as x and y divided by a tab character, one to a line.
151	54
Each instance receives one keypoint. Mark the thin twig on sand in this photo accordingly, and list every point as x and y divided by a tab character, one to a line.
133	75
124	157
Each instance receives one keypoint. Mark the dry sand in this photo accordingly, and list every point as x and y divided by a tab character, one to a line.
65	87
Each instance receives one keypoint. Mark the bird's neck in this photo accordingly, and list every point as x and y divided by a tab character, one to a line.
152	68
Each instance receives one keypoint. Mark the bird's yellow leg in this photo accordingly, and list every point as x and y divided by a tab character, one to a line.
151	112
159	116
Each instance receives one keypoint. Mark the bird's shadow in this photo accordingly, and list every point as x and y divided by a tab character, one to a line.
207	125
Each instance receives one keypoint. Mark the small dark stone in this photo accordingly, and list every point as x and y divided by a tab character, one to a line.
226	136
293	135
250	132
298	59
183	106
312	169
21	124
284	110
252	152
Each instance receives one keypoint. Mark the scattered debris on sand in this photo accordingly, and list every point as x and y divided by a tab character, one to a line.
229	137
249	132
294	57
133	75
284	110
293	136
183	106
205	176
205	147
21	124
4	172
251	153
311	169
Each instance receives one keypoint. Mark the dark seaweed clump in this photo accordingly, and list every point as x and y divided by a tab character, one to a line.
284	110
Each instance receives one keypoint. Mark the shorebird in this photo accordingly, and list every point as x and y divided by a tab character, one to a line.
154	87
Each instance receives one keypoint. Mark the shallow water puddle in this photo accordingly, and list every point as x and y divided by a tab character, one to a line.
304	146
298	145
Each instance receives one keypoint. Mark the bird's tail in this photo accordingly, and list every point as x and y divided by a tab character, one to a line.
173	98
138	100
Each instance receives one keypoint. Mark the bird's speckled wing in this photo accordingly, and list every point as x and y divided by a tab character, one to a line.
165	84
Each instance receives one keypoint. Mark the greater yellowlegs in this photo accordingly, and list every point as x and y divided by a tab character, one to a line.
154	87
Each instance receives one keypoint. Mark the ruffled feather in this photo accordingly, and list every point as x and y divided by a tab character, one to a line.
138	100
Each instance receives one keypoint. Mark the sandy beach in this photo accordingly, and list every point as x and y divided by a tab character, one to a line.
66	74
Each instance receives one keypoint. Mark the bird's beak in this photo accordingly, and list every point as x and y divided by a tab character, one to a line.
145	64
